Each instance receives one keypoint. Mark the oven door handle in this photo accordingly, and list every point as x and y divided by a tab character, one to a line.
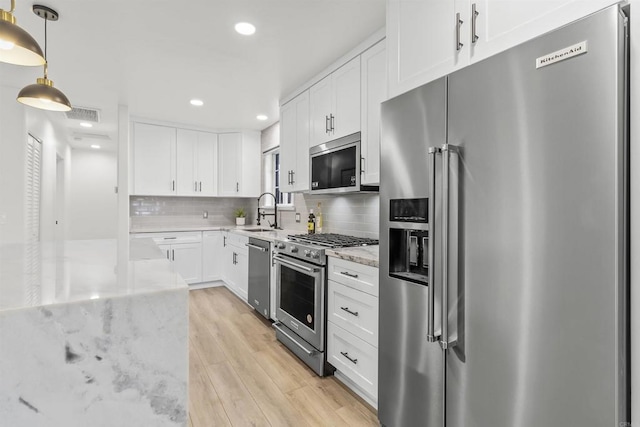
294	265
276	325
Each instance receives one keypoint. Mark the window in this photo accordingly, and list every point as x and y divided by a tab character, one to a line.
271	168
32	199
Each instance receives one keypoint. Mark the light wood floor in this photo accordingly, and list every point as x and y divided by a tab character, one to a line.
240	375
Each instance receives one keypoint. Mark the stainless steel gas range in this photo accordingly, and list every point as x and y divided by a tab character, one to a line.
301	293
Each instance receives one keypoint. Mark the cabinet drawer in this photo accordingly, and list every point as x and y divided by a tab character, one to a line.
354	275
172	238
354	358
354	311
236	239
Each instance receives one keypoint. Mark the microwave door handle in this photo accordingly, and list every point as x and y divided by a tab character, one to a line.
431	336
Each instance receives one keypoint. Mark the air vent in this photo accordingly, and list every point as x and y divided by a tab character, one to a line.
84	114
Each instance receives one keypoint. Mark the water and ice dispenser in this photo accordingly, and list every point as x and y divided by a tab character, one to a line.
409	241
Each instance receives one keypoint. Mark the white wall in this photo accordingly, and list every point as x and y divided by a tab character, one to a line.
92	201
13	138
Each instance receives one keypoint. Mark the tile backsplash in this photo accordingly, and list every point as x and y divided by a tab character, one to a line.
156	211
353	214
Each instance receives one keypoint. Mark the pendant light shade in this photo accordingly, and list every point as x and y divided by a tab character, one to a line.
43	94
16	45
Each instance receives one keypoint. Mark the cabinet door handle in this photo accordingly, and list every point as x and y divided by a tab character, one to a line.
459	23
168	255
173	185
346	273
237	187
355	313
195	183
331	128
474	28
326	124
224	241
173	254
346	354
201	186
293	173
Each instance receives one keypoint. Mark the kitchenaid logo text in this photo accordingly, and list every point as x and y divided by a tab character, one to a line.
562	54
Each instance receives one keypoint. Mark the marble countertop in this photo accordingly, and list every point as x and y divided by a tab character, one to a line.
269	234
35	275
367	255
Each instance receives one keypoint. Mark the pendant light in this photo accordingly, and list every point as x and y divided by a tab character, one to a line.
43	94
16	45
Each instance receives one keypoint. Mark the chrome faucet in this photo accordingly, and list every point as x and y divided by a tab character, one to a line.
275	210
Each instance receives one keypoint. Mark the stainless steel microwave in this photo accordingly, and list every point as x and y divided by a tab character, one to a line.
335	167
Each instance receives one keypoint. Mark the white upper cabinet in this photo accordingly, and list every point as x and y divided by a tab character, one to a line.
373	93
239	164
335	104
428	39
154	164
421	42
197	158
294	144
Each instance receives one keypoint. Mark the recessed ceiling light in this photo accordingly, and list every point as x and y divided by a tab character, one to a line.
197	102
261	117
86	125
96	146
245	28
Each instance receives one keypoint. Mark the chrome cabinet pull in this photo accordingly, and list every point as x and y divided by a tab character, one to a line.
224	241
169	238
474	28
201	186
459	23
355	313
195	188
331	129
237	187
173	254
431	335
326	124
346	273
173	185
346	354
168	255
293	181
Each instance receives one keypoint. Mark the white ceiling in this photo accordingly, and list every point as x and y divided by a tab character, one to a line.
155	55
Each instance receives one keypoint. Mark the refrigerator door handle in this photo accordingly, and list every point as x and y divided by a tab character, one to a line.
449	225
431	336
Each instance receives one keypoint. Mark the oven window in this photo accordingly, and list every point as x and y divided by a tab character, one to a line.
297	295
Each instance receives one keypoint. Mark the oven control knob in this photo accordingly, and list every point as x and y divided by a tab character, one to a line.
294	250
280	246
307	252
315	254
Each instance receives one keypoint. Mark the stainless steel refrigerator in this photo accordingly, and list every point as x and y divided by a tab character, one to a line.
504	239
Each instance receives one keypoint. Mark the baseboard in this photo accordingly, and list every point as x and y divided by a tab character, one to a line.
354	387
205	285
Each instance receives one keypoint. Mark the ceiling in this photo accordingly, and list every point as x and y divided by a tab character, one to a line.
155	55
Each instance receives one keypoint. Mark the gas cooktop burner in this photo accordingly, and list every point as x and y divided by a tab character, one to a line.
333	240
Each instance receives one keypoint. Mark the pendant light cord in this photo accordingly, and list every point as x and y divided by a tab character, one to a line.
46	62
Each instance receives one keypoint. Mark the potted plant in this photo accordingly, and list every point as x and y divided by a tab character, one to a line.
240	216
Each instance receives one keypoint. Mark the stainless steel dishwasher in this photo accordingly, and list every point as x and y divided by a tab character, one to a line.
259	275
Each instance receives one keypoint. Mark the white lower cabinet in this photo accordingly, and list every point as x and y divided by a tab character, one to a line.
235	264
211	256
352	325
354	358
183	249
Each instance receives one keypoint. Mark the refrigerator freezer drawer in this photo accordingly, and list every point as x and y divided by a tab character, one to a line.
354	358
357	276
354	311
